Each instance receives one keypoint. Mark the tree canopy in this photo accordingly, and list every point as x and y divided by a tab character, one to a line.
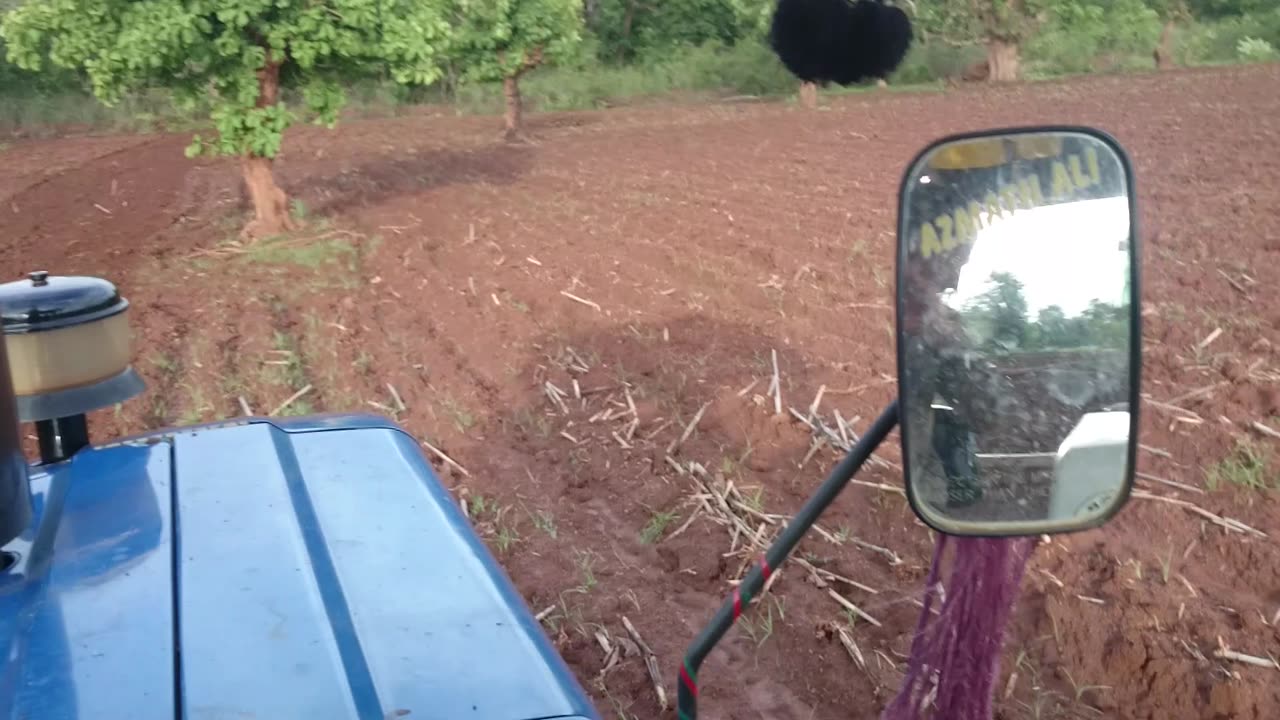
194	46
498	39
631	28
235	55
1000	316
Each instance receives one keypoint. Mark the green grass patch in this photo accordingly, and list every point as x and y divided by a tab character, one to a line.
462	418
657	526
585	561
758	626
1245	467
544	521
313	254
198	407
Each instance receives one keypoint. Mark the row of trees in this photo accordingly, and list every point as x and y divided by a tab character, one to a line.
237	57
1000	316
1005	26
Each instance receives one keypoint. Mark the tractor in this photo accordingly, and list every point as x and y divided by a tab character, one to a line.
316	567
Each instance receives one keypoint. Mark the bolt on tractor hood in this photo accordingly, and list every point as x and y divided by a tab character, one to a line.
302	569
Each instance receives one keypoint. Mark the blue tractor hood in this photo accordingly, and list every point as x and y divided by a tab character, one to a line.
275	570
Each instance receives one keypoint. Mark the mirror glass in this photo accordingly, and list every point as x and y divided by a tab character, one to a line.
1016	319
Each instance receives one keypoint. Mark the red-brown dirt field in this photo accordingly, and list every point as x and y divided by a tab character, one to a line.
439	261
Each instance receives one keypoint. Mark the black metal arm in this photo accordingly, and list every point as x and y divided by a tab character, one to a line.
731	610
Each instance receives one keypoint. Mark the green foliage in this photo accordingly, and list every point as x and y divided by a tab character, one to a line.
498	39
1219	41
967	21
1080	37
746	68
1000	316
1213	9
1001	311
1175	10
231	51
1252	49
930	61
631	29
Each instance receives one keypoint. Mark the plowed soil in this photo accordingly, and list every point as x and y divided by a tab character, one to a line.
658	257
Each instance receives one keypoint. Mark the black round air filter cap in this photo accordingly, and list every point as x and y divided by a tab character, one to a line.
44	302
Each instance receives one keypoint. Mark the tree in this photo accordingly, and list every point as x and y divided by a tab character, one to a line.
237	55
1100	325
1005	25
1000	25
504	39
1001	312
1172	13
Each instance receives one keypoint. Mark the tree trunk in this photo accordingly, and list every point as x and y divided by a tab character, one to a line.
1003	60
1164	51
809	95
514	116
270	204
627	19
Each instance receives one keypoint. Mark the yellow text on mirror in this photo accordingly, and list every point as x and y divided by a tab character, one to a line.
1067	177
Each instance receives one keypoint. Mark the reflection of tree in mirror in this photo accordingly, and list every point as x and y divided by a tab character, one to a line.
1000	314
1000	318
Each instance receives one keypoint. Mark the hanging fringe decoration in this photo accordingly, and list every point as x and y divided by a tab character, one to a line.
955	656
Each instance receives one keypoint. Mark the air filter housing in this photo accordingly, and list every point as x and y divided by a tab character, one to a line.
69	345
15	494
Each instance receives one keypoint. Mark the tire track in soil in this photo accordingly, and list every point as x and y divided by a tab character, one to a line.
394	328
32	164
468	388
283	319
165	364
230	383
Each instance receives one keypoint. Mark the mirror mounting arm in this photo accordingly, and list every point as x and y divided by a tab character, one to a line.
797	528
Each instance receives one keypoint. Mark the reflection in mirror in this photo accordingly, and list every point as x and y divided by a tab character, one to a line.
1016	313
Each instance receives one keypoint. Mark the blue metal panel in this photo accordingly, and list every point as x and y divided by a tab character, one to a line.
321	572
442	628
303	424
86	615
255	638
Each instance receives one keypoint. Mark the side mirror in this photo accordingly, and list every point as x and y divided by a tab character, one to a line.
1019	338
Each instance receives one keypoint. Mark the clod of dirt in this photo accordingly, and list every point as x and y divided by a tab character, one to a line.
1269	401
1228	701
670	560
1234	370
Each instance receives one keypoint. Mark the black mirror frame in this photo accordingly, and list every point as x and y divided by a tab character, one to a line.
1135	329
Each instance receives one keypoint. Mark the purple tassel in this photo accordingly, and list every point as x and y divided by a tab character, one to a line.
955	657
